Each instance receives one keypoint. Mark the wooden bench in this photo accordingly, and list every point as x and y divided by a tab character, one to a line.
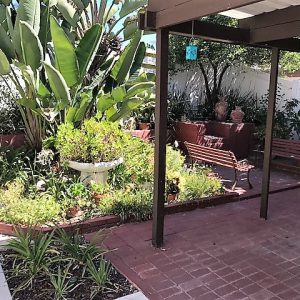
219	157
286	148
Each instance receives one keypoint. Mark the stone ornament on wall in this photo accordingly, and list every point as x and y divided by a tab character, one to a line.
221	109
237	115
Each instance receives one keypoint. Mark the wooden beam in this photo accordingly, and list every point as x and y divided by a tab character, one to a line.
212	32
279	16
275	32
171	12
269	134
275	25
226	34
162	51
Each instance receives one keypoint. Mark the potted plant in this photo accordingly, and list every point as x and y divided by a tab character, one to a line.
145	116
93	149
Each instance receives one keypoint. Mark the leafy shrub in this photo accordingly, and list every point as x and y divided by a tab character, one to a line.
198	184
10	116
138	165
93	142
12	165
18	209
128	204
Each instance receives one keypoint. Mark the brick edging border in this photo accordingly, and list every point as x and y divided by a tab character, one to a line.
87	226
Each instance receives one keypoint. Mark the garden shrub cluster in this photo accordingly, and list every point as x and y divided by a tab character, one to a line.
37	189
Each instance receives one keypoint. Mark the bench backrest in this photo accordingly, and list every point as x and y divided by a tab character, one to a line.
286	147
211	155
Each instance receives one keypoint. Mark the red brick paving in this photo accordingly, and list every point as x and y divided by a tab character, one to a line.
225	252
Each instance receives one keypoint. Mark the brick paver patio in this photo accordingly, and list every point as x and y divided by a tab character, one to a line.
225	252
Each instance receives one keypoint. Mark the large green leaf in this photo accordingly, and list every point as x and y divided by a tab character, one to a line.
29	12
131	6
104	102
88	48
139	88
130	27
58	85
65	55
32	51
5	2
44	33
69	12
6	44
139	58
127	107
4	64
122	67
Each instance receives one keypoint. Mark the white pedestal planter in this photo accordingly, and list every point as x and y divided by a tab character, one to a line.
97	172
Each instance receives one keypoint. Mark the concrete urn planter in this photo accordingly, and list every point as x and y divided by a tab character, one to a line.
97	172
237	115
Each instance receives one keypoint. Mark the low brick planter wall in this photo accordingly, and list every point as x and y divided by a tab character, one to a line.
87	226
98	223
201	203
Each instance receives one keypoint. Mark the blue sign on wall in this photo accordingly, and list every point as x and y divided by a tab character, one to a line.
191	52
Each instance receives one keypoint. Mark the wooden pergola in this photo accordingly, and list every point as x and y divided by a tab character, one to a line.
273	24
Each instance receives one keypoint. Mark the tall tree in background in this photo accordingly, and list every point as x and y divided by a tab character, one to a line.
214	59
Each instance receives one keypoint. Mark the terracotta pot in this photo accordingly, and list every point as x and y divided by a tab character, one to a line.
172	197
73	212
221	109
12	140
237	115
97	198
144	126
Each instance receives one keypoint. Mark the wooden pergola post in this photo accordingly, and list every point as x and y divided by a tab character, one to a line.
269	134
162	51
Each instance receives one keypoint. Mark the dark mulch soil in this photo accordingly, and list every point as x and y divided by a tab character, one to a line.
42	289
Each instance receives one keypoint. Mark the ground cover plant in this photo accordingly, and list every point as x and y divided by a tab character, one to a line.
60	266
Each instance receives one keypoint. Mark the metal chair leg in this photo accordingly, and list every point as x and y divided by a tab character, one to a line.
235	180
248	179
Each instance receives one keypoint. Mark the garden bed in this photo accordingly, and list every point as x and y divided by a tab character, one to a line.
98	223
118	286
60	267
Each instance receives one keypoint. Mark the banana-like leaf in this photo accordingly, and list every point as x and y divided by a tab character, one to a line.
44	33
139	58
6	44
50	3
119	93
104	102
65	55
9	22
127	107
81	4
139	88
5	2
4	64
3	20
122	67
131	6
29	12
42	91
87	49
84	104
32	51
58	85
130	28
69	12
